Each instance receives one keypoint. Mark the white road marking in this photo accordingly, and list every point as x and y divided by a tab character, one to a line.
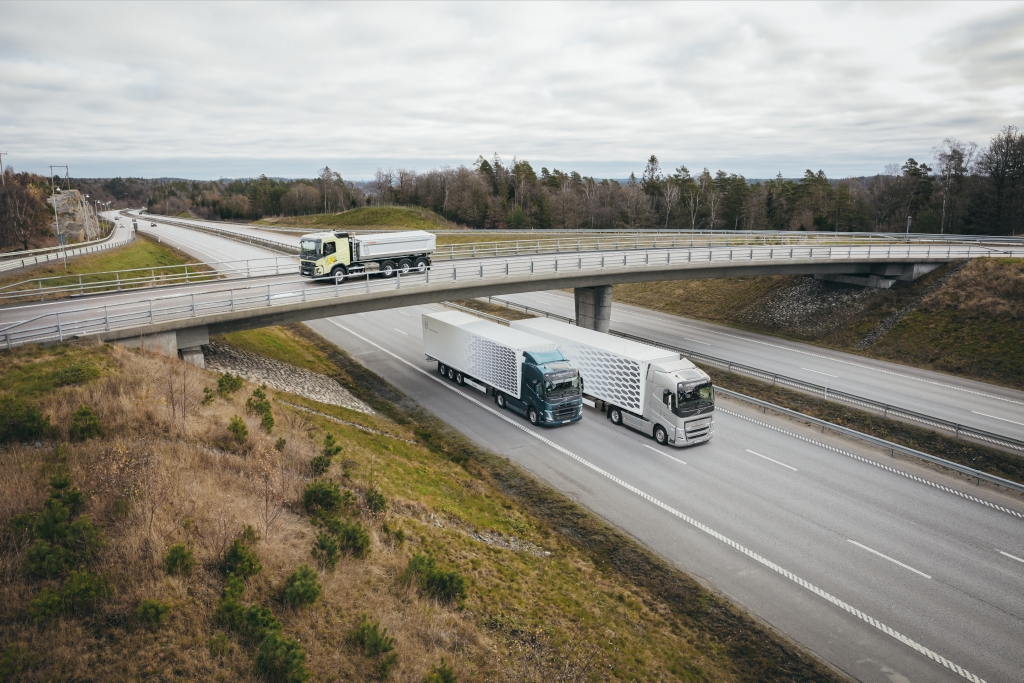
1012	557
997	418
697	341
400	332
404	313
869	461
663	453
821	373
882	555
846	607
772	460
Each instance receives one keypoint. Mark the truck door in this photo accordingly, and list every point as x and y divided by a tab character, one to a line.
330	255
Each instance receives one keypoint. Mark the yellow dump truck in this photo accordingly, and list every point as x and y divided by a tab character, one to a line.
338	255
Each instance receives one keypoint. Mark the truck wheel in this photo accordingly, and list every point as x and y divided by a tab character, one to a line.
404	266
532	416
616	415
659	435
387	269
460	379
500	400
451	374
441	369
338	274
422	265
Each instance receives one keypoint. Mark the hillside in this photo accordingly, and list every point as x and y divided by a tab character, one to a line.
370	217
966	319
161	522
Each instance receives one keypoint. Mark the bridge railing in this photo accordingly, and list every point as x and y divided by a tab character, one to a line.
190	304
25	259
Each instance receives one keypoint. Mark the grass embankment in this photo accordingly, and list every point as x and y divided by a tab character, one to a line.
972	326
991	460
523	585
144	252
365	218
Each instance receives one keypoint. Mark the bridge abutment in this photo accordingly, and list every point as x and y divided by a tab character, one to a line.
186	344
594	307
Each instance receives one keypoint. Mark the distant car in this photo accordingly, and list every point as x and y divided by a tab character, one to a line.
152	225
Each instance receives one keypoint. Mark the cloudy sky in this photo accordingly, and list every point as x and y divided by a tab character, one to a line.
211	90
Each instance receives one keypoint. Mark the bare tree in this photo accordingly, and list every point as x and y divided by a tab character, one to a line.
268	481
712	197
23	215
954	161
671	194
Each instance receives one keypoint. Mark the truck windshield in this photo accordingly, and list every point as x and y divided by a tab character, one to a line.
693	397
543	357
561	386
309	247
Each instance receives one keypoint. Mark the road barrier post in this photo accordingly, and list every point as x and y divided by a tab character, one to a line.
151	311
193	305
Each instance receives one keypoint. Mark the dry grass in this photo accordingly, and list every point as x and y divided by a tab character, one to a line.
538	607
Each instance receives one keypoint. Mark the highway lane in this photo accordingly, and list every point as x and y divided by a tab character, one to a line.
985	406
121	232
922	561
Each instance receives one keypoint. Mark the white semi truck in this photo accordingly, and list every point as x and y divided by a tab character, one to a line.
651	390
338	255
524	372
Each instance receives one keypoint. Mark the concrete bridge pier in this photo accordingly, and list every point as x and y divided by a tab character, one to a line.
594	307
186	344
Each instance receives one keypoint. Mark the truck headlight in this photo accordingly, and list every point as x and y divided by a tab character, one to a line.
548	416
318	270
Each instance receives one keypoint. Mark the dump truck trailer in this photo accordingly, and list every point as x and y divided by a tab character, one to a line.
338	255
524	372
651	390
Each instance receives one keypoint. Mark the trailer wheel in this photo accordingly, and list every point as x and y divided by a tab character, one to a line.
615	414
338	274
441	368
422	265
532	416
500	400
387	269
659	435
460	379
404	266
451	374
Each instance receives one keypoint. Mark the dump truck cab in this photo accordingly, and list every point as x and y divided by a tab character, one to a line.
321	253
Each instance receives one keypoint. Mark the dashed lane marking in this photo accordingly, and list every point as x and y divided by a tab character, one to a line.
772	460
1012	557
886	557
997	418
670	457
846	607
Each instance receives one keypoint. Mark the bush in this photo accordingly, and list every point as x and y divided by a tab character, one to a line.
45	606
82	590
255	622
228	384
84	424
282	659
331	447
267	422
219	645
239	432
325	551
240	560
302	587
58	545
322	497
395	535
152	612
319	465
353	538
178	560
257	404
374	641
208	396
280	444
14	661
76	373
21	422
440	673
375	500
437	583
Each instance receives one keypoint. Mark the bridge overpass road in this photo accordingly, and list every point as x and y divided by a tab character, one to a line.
922	561
978	404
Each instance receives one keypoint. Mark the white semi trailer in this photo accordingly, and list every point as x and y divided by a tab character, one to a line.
524	372
651	390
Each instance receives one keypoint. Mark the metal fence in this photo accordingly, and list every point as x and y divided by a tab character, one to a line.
24	259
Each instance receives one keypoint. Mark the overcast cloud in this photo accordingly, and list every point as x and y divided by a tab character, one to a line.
210	90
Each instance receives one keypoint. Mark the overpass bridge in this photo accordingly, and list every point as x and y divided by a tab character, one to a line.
182	320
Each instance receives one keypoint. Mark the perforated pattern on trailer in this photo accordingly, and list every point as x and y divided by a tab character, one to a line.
614	378
494	364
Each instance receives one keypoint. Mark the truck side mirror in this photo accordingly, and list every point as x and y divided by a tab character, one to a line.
665	396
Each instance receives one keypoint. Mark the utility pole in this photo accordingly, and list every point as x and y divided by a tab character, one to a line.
56	217
3	177
907	238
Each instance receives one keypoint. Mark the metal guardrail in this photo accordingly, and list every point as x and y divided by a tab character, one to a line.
824	424
30	253
157	276
875	441
237	236
484	270
886	409
57	253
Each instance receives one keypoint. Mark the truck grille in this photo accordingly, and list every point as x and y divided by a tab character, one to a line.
306	268
696	429
566	411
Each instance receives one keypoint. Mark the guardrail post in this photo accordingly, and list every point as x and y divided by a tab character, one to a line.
186	274
193	305
482	270
232	291
60	333
367	283
151	311
80	290
118	276
268	295
303	289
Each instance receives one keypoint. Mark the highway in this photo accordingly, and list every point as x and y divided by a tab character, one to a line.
838	551
120	234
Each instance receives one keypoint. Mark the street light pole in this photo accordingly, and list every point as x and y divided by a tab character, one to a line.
3	178
56	216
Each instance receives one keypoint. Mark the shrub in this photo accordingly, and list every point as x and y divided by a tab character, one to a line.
280	444
76	373
152	612
178	560
208	396
325	551
239	432
14	661
219	645
302	587
228	384
440	673
45	606
257	404
21	422
82	590
240	560
58	544
267	422
45	560
282	659
395	535
437	583
331	447
322	497
255	622
320	464
374	641
375	500
84	424
352	538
